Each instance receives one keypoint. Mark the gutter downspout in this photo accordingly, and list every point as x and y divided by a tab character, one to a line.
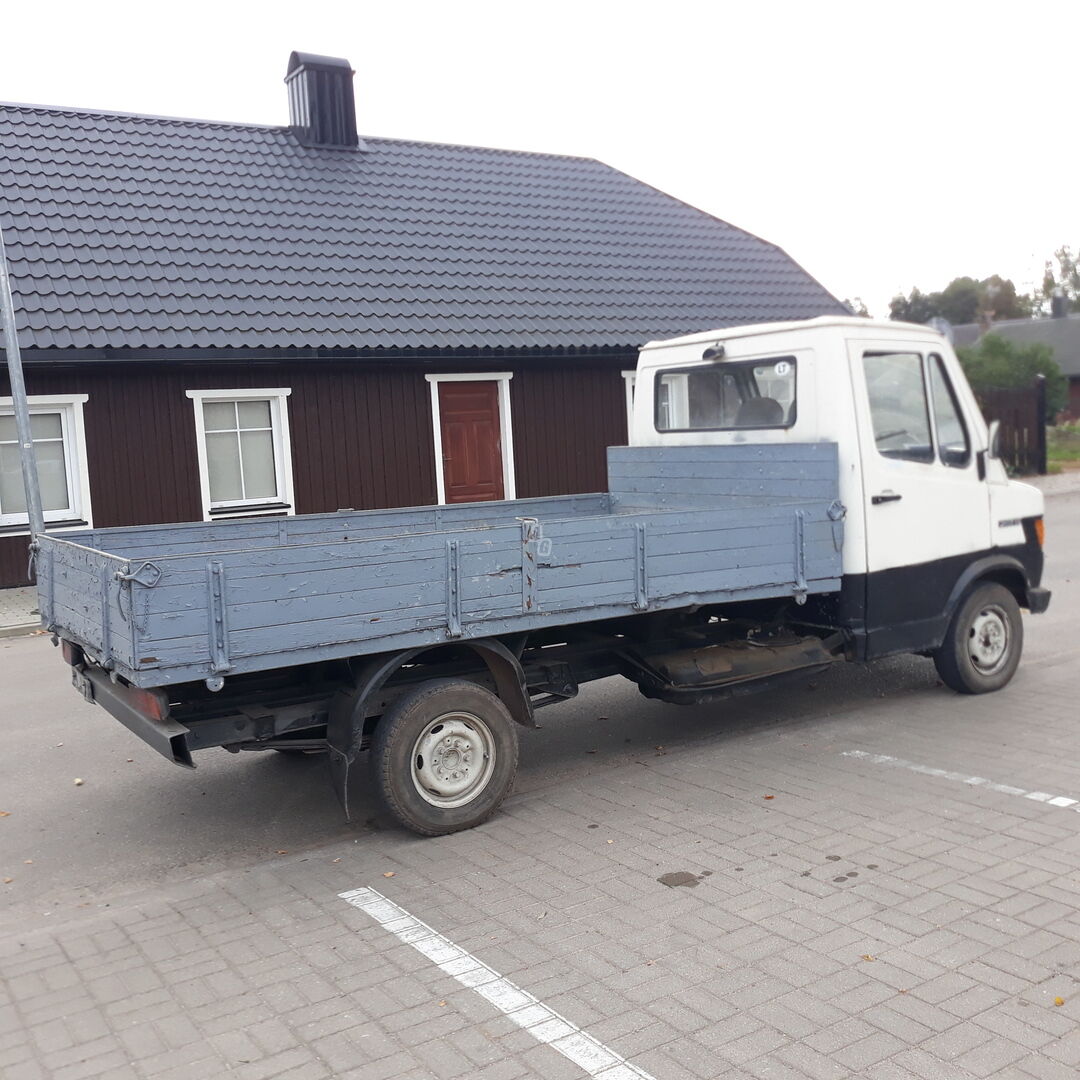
27	457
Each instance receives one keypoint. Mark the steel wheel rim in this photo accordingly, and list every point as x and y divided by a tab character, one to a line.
453	760
989	640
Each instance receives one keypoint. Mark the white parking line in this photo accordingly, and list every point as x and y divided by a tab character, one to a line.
543	1024
1061	801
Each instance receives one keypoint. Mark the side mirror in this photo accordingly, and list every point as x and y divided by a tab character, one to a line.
994	445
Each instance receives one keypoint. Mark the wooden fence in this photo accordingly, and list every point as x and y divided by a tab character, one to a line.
1022	412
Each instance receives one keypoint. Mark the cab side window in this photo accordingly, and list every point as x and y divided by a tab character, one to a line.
954	446
898	405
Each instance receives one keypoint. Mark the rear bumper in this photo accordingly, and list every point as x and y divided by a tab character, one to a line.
167	737
1038	600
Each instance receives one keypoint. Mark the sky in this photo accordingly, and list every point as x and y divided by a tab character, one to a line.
883	146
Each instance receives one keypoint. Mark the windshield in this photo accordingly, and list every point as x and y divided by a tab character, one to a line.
726	396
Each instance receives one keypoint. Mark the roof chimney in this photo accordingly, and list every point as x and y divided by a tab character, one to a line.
321	108
1059	303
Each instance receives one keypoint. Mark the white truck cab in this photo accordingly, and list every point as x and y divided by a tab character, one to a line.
929	510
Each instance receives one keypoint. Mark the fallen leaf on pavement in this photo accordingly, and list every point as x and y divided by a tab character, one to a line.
283	851
5	813
442	1004
335	860
768	796
28	862
389	873
8	880
78	781
1059	1001
867	956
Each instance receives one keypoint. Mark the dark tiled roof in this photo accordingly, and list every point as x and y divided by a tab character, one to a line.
1062	335
134	231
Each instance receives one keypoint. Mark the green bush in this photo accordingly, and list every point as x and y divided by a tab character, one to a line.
995	361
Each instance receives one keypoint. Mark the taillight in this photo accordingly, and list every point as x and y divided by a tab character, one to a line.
151	703
1040	531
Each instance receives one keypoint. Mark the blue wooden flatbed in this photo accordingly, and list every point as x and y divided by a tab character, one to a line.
680	527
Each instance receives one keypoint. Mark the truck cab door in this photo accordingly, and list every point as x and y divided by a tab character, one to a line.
926	508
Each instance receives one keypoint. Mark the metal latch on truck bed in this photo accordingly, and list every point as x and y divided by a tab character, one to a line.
148	574
837	512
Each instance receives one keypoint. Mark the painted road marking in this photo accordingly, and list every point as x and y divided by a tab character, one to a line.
543	1024
1062	801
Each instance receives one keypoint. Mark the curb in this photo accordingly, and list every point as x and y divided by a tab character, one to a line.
21	629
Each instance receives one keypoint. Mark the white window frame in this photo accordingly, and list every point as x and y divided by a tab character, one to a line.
79	515
630	382
506	434
678	384
285	501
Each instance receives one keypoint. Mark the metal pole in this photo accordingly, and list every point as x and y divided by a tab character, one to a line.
1041	420
27	457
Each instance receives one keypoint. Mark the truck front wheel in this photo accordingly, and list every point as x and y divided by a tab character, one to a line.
982	648
444	756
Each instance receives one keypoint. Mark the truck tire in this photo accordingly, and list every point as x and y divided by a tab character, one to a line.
984	641
444	756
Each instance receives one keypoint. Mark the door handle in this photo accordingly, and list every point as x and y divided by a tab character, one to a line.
884	497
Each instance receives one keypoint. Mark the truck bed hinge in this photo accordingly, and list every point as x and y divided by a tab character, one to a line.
531	550
453	588
641	571
218	624
800	558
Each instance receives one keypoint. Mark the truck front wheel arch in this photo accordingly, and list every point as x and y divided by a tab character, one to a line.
1001	569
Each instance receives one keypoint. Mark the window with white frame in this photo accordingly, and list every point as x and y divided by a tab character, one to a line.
664	402
56	426
245	456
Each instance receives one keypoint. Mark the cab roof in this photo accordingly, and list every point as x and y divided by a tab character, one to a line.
866	327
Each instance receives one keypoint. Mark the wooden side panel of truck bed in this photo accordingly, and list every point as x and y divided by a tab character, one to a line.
681	526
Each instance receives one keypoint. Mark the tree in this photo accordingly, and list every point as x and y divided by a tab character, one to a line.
996	361
1061	272
964	300
960	301
1000	300
856	306
917	307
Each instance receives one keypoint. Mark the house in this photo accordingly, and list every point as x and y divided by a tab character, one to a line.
222	320
1061	332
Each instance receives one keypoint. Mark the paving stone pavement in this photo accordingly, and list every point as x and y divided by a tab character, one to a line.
18	610
846	920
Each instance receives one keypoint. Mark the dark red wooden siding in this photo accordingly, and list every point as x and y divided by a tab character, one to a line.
565	417
361	433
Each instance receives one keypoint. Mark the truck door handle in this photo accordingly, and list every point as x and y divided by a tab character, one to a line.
884	497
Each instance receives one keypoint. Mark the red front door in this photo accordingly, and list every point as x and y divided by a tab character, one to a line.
471	441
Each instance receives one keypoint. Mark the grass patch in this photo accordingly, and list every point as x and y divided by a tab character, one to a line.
1063	443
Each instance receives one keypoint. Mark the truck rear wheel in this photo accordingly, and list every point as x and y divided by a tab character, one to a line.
982	648
444	756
